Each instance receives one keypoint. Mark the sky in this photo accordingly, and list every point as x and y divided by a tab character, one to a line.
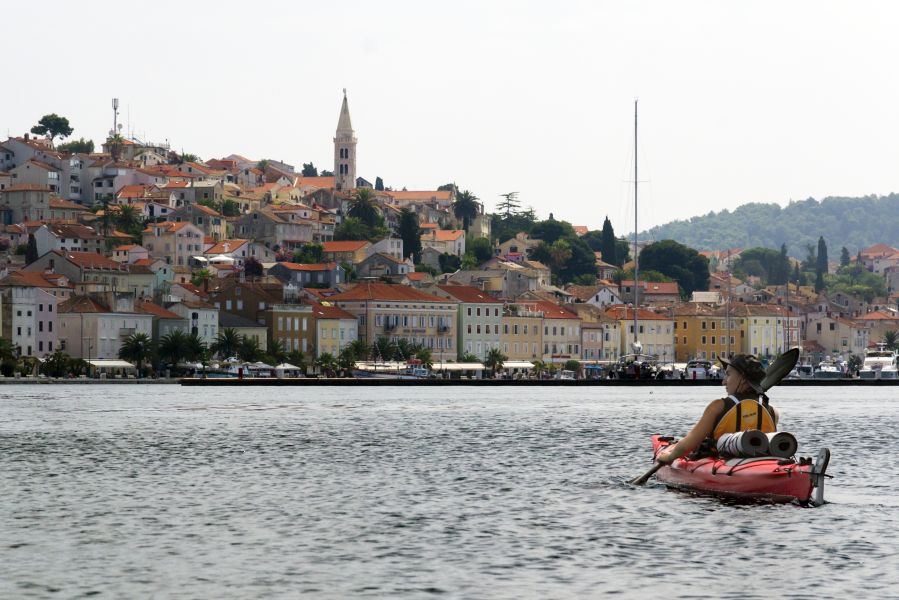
738	102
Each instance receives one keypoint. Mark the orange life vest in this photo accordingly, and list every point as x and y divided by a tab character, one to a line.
742	414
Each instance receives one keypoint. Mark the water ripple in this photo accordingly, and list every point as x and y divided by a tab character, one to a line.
335	493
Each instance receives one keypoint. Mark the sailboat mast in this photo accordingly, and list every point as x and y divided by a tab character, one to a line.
636	264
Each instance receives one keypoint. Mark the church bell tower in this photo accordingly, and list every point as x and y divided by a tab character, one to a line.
345	150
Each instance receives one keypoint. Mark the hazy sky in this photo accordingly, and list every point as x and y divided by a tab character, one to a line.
751	102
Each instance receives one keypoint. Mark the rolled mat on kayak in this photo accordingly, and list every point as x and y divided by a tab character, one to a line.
752	443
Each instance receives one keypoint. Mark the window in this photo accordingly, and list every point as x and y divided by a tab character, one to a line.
702	325
703	340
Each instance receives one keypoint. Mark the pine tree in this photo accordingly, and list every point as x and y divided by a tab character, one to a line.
844	257
509	206
609	243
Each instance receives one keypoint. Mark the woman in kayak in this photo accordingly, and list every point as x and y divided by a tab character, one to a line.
746	407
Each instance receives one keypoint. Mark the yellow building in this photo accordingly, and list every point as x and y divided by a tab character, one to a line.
521	336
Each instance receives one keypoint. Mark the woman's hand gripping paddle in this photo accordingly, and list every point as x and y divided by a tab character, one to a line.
775	373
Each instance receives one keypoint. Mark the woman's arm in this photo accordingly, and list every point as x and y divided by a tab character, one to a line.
700	431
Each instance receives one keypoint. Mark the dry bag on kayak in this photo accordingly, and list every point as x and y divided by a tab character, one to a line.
748	443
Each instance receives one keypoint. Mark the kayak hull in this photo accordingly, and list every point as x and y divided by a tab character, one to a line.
765	479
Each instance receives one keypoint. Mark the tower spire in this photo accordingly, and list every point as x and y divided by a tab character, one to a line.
344	149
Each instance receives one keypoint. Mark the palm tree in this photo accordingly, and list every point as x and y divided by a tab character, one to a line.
891	339
226	343
129	221
194	347
494	361
383	349
359	349
297	359
466	207
364	207
346	360
426	358
56	365
248	349
277	351
539	368
199	276
173	347
7	350
352	229
326	363
468	357
137	347
402	350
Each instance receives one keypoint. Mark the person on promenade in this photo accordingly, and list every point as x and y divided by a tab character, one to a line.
745	407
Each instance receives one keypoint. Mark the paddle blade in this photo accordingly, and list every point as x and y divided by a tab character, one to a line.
780	368
645	477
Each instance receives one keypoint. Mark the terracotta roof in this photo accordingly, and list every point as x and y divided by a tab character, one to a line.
467	293
91	260
580	229
27	187
134	191
878	249
219	247
169	226
74	230
444	235
654	287
879	315
42	165
370	290
35	279
423	195
330	312
344	246
81	304
554	311
319	182
622	312
56	202
157	311
328	266
418	276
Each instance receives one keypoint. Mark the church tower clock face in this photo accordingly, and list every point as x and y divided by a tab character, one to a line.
345	150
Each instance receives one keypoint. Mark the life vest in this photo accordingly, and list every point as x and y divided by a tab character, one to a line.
743	414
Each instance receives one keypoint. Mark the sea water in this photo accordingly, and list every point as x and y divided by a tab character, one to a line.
403	492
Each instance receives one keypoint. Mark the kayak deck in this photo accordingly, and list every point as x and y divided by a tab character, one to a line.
766	479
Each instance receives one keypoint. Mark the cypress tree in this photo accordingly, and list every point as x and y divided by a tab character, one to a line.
31	250
844	257
609	243
822	255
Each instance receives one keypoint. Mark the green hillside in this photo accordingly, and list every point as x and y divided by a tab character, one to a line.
855	223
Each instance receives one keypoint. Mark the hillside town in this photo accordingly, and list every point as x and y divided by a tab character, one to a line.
139	260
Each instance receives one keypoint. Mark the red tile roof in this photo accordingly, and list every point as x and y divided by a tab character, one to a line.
219	247
370	290
330	312
621	312
91	260
344	246
329	266
157	311
467	293
554	311
82	304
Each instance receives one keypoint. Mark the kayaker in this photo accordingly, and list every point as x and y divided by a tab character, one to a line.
746	407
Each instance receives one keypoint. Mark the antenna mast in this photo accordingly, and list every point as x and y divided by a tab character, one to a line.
636	263
115	116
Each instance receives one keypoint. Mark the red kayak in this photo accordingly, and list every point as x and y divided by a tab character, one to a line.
768	478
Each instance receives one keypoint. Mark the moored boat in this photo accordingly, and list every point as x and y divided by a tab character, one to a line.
880	363
829	369
767	478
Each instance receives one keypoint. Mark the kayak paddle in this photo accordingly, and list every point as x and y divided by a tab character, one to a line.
773	375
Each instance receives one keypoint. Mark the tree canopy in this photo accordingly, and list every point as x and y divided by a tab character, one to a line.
53	126
856	223
79	146
683	264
